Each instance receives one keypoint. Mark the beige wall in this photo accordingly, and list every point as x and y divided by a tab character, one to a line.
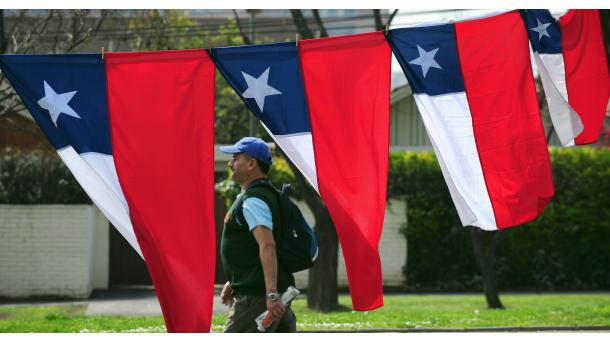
392	247
64	250
52	250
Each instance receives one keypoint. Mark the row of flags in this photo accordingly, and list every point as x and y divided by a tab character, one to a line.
137	131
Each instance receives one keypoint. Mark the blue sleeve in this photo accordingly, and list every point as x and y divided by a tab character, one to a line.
257	213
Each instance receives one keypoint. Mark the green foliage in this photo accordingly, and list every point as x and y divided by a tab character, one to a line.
566	248
37	178
279	174
162	30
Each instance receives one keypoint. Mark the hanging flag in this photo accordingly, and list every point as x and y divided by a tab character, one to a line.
571	59
347	82
337	135
268	79
66	95
545	37
586	70
473	86
156	150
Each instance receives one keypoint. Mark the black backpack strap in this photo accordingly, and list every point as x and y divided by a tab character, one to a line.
258	183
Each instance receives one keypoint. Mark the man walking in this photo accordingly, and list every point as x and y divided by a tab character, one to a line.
247	249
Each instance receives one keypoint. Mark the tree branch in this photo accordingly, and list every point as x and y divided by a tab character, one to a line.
239	27
377	16
389	22
301	24
323	32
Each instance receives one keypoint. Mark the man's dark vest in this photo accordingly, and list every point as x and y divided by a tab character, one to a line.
239	250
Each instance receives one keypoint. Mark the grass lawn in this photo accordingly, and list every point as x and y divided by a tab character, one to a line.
399	312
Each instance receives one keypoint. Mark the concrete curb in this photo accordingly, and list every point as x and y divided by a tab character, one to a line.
485	329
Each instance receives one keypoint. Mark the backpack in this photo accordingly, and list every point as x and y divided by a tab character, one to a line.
295	241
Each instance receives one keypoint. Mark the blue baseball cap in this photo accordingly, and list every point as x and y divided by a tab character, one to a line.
251	146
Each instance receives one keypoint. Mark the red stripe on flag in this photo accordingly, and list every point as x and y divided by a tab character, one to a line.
495	60
347	82
161	107
586	69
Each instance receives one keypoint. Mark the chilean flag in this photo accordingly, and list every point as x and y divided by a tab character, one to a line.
472	82
326	104
136	131
571	59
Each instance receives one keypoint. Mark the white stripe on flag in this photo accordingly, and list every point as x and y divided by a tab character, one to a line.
299	148
449	124
566	121
106	198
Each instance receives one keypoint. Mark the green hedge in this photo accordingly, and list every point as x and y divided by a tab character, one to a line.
37	178
566	248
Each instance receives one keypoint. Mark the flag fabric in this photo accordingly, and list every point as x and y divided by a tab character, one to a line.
161	106
586	69
571	59
329	112
136	130
268	79
473	85
66	95
347	82
545	38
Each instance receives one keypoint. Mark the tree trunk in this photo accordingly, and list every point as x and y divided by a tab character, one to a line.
485	257
322	292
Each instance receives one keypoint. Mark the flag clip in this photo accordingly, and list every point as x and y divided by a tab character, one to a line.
296	42
102	53
386	29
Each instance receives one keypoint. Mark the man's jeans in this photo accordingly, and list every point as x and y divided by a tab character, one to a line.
246	308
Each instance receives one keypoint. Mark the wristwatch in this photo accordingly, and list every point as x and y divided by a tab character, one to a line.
273	296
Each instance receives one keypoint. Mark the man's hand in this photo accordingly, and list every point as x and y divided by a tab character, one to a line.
276	309
226	296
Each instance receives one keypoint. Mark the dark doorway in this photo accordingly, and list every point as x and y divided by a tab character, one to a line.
127	268
220	210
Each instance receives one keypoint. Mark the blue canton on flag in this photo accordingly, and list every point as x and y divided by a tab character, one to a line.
428	56
68	101
268	79
66	95
543	31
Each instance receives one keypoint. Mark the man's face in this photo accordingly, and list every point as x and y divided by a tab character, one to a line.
241	165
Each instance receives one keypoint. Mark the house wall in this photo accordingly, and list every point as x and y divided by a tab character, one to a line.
57	250
392	247
406	126
63	250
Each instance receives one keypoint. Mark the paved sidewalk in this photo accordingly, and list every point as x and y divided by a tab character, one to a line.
147	305
140	301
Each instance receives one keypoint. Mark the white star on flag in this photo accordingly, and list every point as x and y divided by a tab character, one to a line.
258	88
541	29
426	60
57	103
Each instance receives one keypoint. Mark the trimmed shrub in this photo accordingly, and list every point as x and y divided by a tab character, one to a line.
37	178
566	248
